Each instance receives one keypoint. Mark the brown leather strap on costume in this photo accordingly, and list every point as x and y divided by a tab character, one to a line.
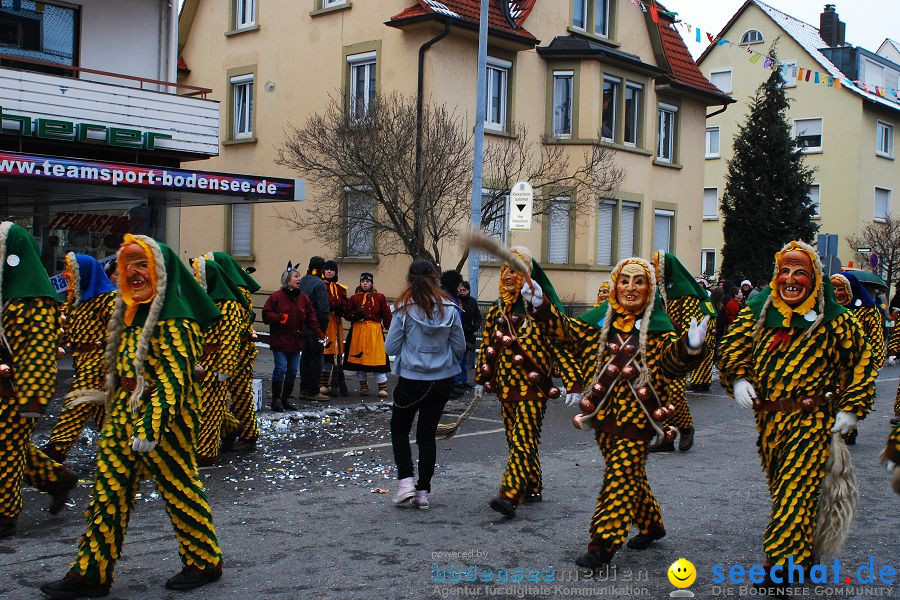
629	431
807	404
211	348
85	346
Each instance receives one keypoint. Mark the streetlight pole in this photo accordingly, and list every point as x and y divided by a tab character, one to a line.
480	114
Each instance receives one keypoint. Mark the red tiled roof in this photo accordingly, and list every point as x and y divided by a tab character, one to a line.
682	66
469	11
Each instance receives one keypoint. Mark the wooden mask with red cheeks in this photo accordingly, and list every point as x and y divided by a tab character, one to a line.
633	288
842	292
135	267
795	277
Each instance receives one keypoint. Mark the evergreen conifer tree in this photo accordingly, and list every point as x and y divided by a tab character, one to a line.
766	202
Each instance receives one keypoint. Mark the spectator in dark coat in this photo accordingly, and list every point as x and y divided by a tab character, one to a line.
312	360
471	323
292	321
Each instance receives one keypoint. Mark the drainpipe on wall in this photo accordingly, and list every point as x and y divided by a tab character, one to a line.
173	43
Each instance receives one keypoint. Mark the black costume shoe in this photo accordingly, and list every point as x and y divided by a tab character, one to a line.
59	489
7	527
277	387
700	387
286	392
895	420
503	506
72	586
532	497
594	560
642	541
191	578
662	445
686	439
54	453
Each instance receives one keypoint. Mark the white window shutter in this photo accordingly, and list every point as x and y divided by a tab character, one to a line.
710	203
558	250
627	221
241	229
605	216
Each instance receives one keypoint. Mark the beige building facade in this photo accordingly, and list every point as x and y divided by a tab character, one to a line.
847	132
273	62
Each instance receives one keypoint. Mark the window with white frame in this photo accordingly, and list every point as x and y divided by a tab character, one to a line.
601	17
579	14
884	139
563	86
789	73
710	204
333	3
663	222
665	143
632	112
873	73
708	262
498	228
882	203
609	112
721	79
751	36
497	93
595	12
359	241
813	194
241	230
362	83
242	106
808	134
558	231
712	142
244	13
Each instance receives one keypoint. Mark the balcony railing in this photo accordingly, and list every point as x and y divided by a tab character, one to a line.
189	90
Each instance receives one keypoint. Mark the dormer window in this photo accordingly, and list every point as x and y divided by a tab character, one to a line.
751	36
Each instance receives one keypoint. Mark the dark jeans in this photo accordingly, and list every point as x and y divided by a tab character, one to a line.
311	365
428	399
285	365
464	361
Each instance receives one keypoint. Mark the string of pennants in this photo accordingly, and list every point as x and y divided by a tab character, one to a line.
789	71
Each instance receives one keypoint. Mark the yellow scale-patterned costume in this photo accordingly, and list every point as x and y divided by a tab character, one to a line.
223	344
784	365
240	420
681	311
702	375
170	417
893	349
84	328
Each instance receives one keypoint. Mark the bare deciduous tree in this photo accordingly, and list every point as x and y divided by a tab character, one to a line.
884	239
373	158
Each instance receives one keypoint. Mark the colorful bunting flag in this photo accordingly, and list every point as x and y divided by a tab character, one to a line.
654	14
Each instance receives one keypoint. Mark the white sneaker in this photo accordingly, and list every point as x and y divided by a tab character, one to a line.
421	500
405	491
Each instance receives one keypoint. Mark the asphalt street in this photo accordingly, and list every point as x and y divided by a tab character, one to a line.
305	515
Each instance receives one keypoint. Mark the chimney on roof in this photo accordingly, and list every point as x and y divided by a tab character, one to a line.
831	28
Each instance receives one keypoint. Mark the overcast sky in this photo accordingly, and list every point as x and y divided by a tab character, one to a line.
868	21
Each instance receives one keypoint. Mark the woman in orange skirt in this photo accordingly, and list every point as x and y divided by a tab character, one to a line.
364	350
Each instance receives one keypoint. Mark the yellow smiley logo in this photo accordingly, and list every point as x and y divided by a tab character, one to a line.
682	573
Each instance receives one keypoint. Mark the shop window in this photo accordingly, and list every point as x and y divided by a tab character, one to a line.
38	31
497	93
663	229
359	240
808	134
712	142
242	106
558	231
241	238
562	103
362	84
665	143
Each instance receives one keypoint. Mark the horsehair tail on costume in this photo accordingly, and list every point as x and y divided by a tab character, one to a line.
448	430
837	502
478	240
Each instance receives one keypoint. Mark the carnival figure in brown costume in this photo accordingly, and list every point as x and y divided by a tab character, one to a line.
332	380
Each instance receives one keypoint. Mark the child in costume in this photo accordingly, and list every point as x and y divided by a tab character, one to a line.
628	356
517	362
28	356
155	341
850	294
239	422
221	352
364	353
802	363
338	304
89	305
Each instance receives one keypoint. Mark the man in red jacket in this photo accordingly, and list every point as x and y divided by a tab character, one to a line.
289	314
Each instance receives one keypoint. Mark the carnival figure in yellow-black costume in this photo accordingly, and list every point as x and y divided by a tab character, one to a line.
602	293
628	356
891	457
701	378
221	352
85	317
517	363
332	380
684	300
850	294
239	422
28	355
155	341
802	363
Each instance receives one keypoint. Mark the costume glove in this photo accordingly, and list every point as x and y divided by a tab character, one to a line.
139	444
697	333
744	394
843	422
532	292
892	361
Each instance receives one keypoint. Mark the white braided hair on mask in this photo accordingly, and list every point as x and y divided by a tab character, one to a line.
820	298
200	263
645	319
76	277
661	279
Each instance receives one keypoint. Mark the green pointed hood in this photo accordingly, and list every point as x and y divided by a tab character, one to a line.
238	275
218	285
184	298
659	320
24	276
679	283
